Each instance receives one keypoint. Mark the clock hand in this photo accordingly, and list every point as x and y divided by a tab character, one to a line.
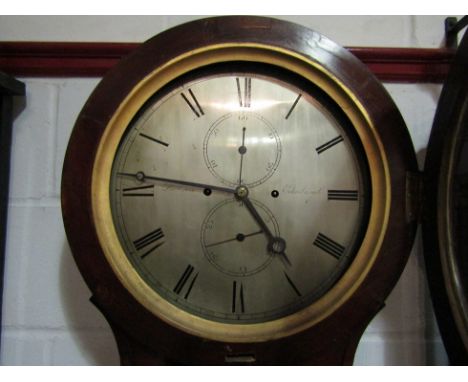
258	219
242	151
276	245
141	176
239	237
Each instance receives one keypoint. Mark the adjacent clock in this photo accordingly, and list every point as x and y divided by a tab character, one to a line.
446	210
236	191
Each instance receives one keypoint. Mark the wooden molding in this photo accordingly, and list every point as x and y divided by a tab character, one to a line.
94	59
409	65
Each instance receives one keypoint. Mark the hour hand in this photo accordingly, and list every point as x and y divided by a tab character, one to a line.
141	176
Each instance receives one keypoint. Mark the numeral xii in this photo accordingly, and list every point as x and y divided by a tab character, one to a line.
244	99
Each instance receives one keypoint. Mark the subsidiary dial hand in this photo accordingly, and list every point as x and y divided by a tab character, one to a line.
242	151
141	176
239	237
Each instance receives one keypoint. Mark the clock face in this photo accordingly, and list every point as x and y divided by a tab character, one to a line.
240	197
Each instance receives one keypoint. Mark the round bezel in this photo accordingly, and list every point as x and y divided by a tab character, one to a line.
309	71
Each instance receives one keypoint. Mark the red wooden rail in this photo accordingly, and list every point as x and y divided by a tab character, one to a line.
83	59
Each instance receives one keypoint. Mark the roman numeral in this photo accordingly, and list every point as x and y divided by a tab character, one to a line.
328	245
342	195
139	191
329	144
293	106
245	100
154	139
151	238
187	278
195	106
292	285
238	297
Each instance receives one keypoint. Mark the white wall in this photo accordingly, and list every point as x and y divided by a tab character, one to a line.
47	319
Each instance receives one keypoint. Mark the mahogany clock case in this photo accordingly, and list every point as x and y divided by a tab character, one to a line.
144	338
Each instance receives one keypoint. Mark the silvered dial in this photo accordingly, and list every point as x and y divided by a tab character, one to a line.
238	197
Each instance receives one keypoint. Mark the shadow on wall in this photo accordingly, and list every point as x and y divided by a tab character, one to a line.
94	342
19	104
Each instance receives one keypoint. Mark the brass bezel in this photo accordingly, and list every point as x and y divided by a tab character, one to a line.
380	185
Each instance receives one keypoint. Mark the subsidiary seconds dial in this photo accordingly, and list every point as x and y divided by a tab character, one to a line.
233	242
239	197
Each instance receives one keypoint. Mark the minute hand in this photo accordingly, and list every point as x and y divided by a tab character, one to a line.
142	176
275	244
258	219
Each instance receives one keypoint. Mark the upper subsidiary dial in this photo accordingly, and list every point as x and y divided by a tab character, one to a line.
244	139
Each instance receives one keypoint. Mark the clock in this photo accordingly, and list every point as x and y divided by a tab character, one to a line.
239	190
445	214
